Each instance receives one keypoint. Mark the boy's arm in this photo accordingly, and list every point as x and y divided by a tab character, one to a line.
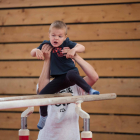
91	75
33	52
37	53
79	48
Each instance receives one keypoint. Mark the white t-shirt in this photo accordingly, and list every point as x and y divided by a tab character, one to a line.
62	122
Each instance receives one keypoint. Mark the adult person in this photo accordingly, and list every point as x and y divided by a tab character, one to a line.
62	121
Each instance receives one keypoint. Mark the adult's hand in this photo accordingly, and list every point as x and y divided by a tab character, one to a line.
65	51
71	53
46	50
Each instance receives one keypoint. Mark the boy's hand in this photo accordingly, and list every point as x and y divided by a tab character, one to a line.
46	50
39	54
69	53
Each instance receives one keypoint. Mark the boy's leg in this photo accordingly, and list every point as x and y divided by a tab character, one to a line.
74	78
42	119
54	86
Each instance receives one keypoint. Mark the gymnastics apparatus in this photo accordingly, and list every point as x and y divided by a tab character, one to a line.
60	98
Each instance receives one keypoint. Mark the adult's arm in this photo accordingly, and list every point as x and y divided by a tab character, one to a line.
91	75
37	53
44	78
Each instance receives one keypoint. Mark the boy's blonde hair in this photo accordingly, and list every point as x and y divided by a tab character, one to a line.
58	25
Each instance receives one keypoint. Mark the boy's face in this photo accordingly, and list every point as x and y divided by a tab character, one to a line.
57	36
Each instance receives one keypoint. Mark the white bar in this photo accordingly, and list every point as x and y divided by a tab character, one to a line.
56	100
81	112
27	112
34	97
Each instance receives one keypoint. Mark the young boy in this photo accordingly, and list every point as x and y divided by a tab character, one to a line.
62	67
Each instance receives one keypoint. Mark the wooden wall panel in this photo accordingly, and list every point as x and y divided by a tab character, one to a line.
25	86
121	105
13	135
101	136
21	68
122	124
98	123
103	68
121	86
100	13
114	49
115	67
32	3
110	31
18	86
17	51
